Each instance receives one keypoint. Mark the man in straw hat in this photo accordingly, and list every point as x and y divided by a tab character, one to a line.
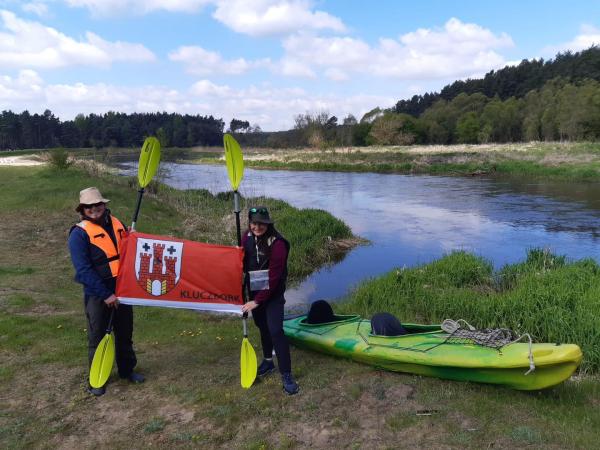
94	246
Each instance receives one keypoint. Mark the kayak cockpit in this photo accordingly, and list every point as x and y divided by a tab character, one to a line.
336	319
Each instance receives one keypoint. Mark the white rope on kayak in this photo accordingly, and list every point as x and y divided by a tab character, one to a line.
490	337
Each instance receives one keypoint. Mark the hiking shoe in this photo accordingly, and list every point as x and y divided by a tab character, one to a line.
96	391
265	367
135	377
289	385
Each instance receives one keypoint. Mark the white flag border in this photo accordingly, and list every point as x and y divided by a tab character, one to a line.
216	307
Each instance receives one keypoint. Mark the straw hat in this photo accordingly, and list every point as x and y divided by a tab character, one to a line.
90	196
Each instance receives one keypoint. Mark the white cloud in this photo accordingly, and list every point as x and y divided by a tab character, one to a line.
274	108
199	61
38	8
254	18
336	55
339	52
335	74
26	87
208	88
295	68
120	51
137	7
33	45
588	36
456	50
268	17
271	108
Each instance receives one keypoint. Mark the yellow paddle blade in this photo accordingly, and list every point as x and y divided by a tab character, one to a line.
149	159
103	361
234	160
248	364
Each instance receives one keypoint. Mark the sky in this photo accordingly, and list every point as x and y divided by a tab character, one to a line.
266	61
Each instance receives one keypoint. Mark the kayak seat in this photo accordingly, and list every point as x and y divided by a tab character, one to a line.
386	324
320	312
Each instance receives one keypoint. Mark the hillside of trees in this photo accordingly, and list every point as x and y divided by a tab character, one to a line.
533	101
513	81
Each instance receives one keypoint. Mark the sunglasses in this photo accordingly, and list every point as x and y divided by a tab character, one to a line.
93	205
259	210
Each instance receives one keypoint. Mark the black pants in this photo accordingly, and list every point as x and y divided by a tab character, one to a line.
98	316
269	320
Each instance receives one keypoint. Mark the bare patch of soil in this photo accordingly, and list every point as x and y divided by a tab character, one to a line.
343	245
24	160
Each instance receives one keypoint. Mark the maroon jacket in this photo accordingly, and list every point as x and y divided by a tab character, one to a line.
276	262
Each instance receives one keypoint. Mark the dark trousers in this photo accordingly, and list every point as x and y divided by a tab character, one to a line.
98	316
269	320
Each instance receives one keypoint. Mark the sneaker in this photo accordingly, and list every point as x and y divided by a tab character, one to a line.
96	391
135	377
289	385
266	367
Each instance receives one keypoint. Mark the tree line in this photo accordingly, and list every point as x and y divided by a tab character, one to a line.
25	130
559	111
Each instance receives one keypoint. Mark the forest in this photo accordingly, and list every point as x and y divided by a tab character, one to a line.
25	130
536	100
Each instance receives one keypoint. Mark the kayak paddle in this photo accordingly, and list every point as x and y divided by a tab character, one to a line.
104	357
235	169
149	159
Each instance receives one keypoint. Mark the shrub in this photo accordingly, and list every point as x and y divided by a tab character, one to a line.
59	158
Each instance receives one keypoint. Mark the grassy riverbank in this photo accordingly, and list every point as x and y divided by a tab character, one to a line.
545	296
192	397
562	161
568	161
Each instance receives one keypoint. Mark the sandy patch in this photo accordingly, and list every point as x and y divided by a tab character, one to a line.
19	161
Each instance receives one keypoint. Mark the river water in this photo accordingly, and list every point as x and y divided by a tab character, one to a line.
412	220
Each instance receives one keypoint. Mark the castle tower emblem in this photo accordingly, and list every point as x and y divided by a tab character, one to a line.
158	265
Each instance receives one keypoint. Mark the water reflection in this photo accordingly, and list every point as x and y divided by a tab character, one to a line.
414	219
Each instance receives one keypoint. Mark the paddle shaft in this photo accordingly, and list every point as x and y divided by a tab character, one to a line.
236	210
137	208
110	321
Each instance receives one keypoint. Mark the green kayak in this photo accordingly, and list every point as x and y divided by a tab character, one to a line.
426	350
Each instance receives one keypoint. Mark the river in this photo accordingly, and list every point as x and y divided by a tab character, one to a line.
412	220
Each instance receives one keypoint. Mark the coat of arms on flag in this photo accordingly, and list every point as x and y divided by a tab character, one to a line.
158	265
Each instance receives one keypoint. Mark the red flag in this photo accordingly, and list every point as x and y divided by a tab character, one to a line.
175	273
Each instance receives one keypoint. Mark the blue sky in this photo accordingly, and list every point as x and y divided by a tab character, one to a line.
266	61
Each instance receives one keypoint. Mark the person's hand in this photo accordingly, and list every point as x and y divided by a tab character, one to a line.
247	307
112	301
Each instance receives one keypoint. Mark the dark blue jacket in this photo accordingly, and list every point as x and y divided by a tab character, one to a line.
85	273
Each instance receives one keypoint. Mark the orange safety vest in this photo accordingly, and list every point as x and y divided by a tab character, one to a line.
109	254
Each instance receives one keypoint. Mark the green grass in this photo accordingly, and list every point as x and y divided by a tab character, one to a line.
572	161
546	296
572	172
192	397
5	271
560	161
154	425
